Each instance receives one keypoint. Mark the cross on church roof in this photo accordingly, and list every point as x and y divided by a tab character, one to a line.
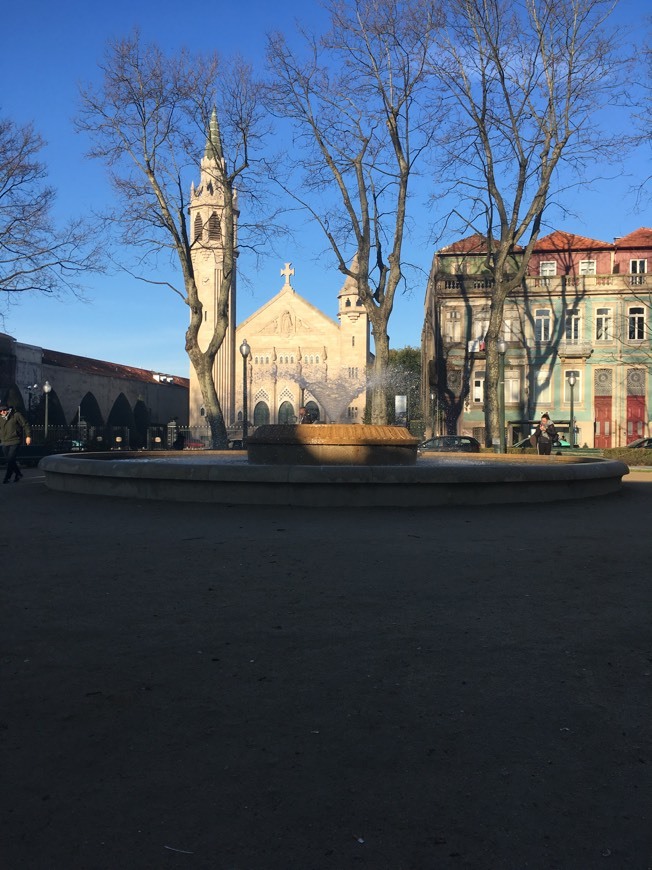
286	272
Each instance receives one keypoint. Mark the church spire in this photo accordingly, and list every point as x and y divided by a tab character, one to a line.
213	150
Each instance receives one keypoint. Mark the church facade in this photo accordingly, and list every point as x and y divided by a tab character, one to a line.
298	356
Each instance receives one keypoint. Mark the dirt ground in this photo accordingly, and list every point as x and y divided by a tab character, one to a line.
223	688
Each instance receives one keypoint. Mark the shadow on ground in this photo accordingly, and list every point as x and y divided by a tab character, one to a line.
213	687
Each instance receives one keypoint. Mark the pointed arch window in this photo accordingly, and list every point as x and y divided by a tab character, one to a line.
199	227
214	229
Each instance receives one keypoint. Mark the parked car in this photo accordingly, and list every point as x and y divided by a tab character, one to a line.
451	444
645	443
192	444
525	442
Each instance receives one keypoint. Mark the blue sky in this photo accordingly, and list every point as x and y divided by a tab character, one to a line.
124	320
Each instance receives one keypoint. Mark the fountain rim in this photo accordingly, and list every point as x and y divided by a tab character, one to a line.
445	479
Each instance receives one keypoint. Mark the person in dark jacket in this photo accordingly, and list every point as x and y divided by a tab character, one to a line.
544	436
13	427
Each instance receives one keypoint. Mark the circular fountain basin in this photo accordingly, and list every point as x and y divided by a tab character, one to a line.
225	477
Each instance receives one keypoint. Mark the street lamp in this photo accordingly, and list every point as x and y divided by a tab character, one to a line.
47	389
433	396
245	350
29	389
571	425
502	350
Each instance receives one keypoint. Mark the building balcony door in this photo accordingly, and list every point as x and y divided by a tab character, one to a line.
602	405
635	417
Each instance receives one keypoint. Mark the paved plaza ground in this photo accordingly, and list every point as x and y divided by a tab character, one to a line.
201	687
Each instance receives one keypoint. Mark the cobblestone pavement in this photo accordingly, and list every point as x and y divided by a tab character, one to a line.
222	688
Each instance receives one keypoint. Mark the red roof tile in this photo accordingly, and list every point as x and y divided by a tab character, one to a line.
100	367
563	242
640	238
475	244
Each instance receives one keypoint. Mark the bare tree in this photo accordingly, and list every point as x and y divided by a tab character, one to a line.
34	253
527	81
362	113
147	121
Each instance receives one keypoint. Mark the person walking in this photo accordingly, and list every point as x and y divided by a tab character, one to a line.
13	428
544	436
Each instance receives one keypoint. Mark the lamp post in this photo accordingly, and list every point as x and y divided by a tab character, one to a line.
245	350
433	396
502	350
47	389
571	425
29	389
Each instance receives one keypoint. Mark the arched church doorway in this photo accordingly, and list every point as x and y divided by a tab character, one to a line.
286	413
261	414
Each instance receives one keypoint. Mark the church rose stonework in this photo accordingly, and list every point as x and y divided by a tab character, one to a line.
298	356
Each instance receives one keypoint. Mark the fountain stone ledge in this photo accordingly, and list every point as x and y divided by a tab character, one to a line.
332	444
302	467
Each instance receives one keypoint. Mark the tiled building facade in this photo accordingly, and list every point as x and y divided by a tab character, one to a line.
583	309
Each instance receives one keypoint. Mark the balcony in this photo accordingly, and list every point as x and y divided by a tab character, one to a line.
575	349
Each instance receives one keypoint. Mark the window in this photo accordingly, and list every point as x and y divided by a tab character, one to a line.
542	324
577	389
587	267
547	268
542	388
199	227
478	388
638	268
452	325
603	325
510	331
636	321
214	229
347	304
480	324
512	388
353	341
572	327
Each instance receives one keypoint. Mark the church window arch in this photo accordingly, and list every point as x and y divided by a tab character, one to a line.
347	304
292	358
199	228
286	413
353	341
317	358
214	228
266	360
358	303
261	414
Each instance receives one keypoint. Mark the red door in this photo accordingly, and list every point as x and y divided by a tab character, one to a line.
602	405
635	417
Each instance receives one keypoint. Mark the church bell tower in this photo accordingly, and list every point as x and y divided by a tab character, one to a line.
205	212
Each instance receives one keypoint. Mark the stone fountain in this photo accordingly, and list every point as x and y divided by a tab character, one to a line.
333	466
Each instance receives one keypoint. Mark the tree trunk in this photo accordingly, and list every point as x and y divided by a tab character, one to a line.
379	378
214	417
